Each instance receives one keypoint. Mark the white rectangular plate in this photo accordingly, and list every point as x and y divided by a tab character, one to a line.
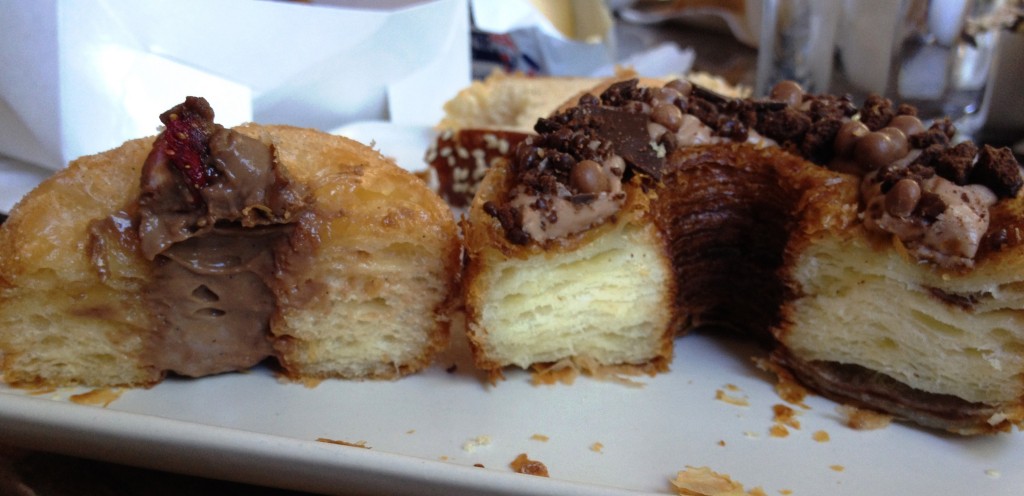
426	433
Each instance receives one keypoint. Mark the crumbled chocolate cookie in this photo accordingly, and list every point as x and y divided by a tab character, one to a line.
933	136
876	112
997	169
818	140
788	124
955	163
828	107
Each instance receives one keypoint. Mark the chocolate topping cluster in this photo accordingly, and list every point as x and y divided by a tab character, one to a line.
582	153
580	158
614	123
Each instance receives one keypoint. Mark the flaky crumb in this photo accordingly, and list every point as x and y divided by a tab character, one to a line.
837	468
732	400
786	386
995	474
357	444
596	447
540	437
524	465
97	397
820	436
307	382
863	420
785	415
566	371
471	445
702	481
778	430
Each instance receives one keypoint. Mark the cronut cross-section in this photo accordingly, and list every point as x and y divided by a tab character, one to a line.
600	299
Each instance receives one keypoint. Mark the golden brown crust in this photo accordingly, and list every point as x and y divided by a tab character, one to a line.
364	203
730	211
360	202
90	188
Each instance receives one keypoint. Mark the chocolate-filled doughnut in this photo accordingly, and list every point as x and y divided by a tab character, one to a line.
206	250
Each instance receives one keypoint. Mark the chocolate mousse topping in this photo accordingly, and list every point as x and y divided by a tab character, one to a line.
939	210
570	177
213	206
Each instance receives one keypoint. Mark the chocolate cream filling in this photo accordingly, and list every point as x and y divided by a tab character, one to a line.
211	236
851	383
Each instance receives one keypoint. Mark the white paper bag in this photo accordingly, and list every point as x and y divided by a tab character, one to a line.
83	76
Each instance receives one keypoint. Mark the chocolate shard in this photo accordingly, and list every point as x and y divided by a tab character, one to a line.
628	134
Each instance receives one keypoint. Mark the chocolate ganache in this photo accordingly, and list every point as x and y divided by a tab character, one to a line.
213	205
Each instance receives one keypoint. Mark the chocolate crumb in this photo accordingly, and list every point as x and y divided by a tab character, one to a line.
704	110
787	125
997	169
931	137
508	216
956	163
622	92
876	112
817	145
